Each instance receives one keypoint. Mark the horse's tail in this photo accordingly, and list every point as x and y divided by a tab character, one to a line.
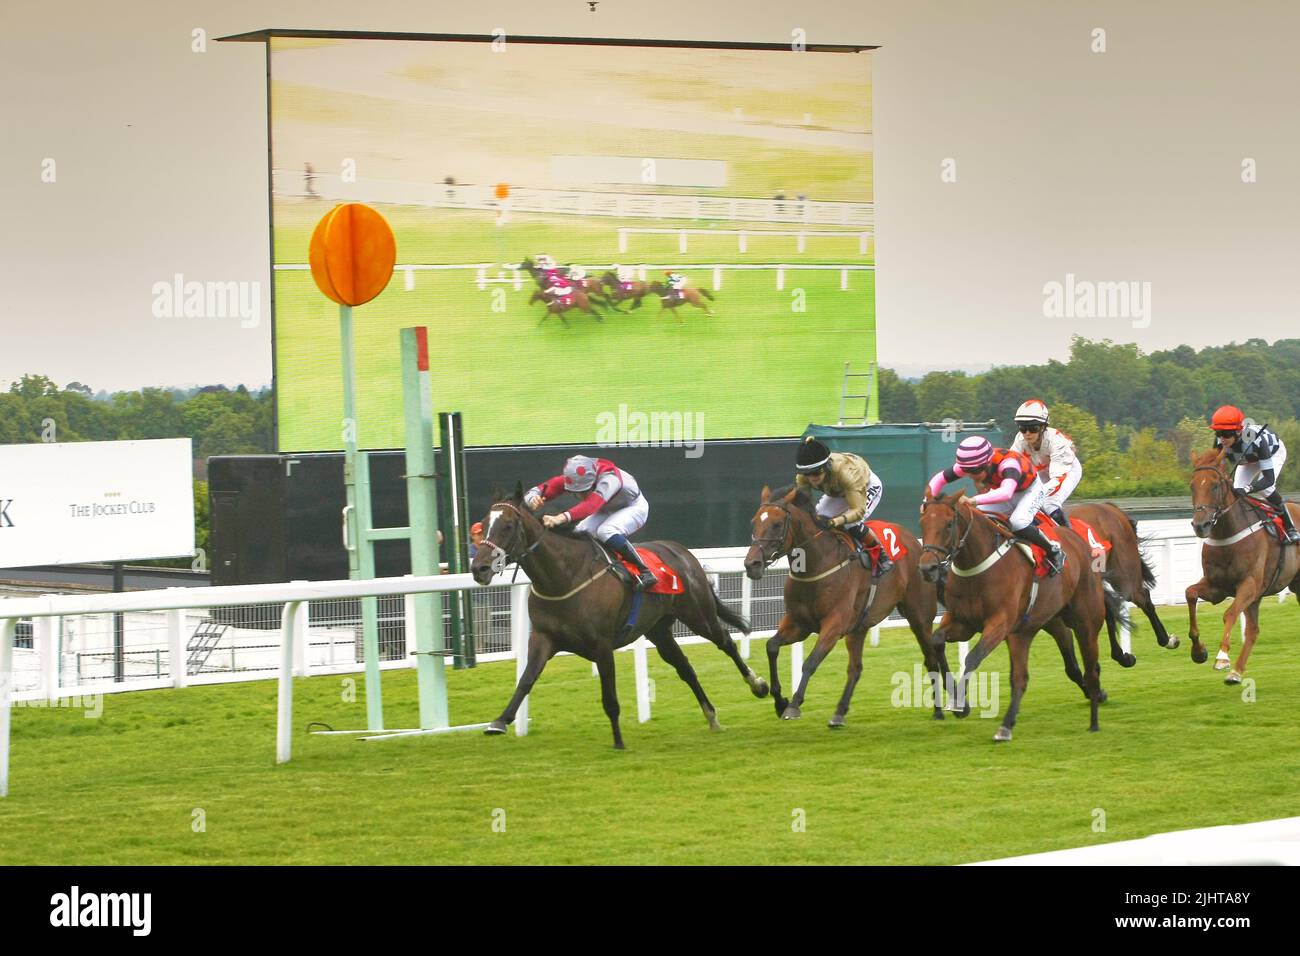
1116	608
1148	575
729	616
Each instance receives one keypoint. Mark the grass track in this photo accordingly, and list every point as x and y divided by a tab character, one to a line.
1177	749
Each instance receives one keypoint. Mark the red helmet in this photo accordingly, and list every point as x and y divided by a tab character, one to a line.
1228	418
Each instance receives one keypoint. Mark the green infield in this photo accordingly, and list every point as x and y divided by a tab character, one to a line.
766	363
175	777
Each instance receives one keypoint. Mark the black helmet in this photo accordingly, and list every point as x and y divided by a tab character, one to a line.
813	456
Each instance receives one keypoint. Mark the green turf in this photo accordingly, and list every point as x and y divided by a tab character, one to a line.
766	363
1177	749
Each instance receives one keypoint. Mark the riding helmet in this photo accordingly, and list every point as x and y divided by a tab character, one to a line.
813	456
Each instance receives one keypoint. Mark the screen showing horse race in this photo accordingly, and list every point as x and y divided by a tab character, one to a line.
607	243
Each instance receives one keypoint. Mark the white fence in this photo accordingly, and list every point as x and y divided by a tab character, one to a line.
180	636
575	202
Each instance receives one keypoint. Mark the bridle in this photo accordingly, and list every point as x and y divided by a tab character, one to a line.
950	553
784	542
1219	508
505	553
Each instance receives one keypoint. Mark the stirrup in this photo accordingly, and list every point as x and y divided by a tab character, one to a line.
641	583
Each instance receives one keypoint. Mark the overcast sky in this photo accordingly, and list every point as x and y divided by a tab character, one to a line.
1122	166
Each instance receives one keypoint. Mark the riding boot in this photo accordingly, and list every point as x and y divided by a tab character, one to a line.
1055	556
864	538
646	578
1276	500
1057	515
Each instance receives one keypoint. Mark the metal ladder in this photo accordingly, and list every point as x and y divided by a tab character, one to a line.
201	645
846	396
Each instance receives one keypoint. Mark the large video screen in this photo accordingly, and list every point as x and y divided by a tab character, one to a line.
604	241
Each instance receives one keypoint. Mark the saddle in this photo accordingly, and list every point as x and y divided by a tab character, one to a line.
1271	517
667	581
1035	555
886	534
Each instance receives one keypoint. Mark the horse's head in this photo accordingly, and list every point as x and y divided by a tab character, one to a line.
507	530
527	265
781	516
1211	494
941	532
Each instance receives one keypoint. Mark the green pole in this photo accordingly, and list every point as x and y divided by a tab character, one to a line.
356	523
422	505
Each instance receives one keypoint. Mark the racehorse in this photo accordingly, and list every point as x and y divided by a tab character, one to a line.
578	603
668	297
1005	600
620	290
835	596
1126	570
579	297
1236	559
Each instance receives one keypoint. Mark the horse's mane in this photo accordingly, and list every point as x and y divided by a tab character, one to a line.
802	500
1212	456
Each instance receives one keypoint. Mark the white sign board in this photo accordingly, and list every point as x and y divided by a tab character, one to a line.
77	502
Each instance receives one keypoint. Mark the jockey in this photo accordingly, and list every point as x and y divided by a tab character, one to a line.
850	492
1018	492
1050	450
1258	455
544	262
612	507
676	283
576	272
557	284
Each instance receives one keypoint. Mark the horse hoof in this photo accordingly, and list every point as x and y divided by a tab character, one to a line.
496	728
781	704
759	688
1200	657
715	727
1232	678
1127	660
791	713
1173	642
964	712
836	722
938	714
1221	665
1102	697
1002	736
618	745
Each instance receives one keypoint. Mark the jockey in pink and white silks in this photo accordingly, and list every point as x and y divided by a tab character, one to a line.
612	507
1015	490
1053	454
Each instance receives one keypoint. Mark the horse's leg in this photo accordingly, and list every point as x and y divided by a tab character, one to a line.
1065	642
949	631
1117	653
608	691
721	639
1200	591
994	633
854	644
831	630
1142	598
1247	643
1247	594
1087	638
934	655
540	650
1018	643
661	636
787	633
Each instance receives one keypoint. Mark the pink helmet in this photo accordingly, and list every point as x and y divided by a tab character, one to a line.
974	452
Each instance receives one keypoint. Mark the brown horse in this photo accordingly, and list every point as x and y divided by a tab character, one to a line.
1003	600
1125	570
578	603
1239	558
835	596
620	290
668	298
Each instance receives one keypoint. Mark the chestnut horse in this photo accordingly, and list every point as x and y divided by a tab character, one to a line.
1003	600
1239	558
835	596
690	295
576	604
1125	570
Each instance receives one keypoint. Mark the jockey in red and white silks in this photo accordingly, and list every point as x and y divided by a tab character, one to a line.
1014	490
612	507
1053	454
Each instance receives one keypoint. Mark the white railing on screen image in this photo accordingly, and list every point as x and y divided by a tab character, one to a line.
311	628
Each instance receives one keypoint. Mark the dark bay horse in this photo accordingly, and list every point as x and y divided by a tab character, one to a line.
620	290
577	604
584	296
1239	558
833	596
1125	570
984	593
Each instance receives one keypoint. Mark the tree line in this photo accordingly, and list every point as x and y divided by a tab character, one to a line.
1134	417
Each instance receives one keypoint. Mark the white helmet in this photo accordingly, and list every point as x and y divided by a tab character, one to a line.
579	473
577	272
545	261
1032	411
